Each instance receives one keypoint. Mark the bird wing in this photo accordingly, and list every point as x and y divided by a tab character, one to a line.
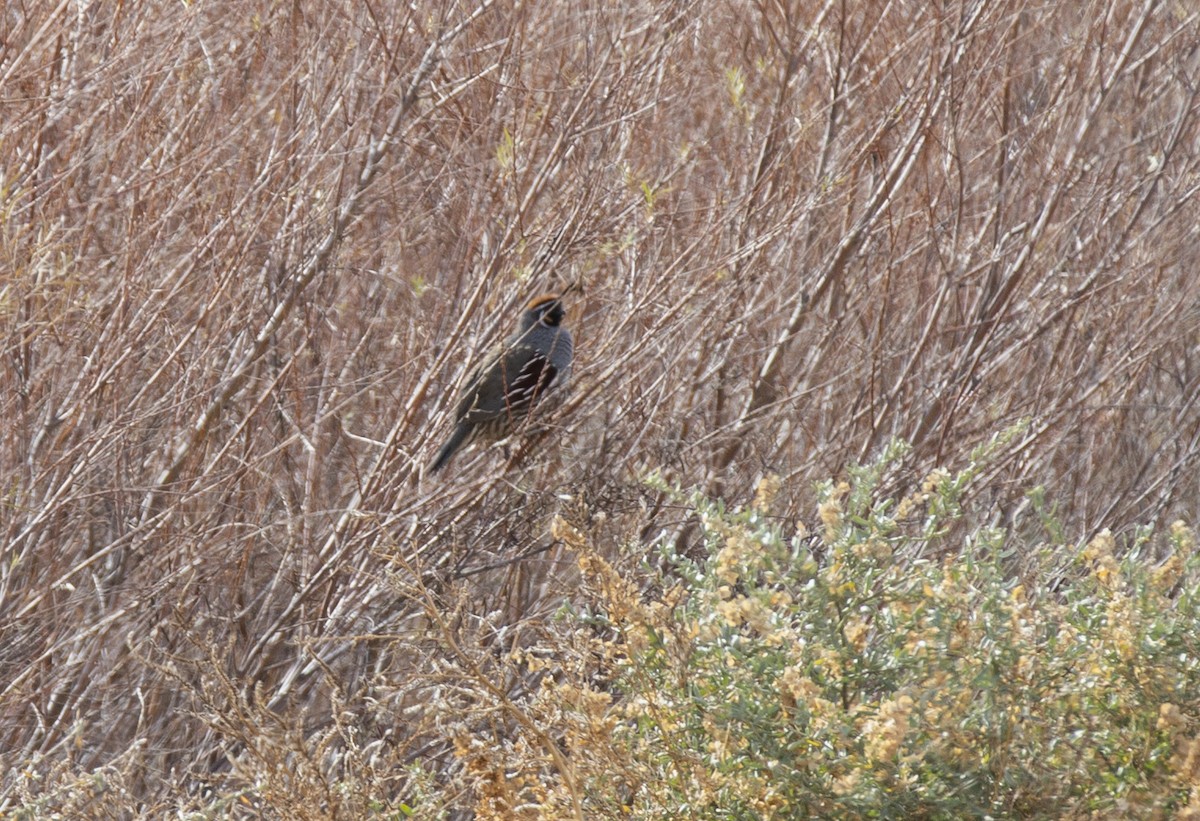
510	382
531	380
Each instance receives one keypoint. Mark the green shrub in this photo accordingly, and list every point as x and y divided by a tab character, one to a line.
889	669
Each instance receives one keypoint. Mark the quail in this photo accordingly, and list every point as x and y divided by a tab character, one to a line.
515	380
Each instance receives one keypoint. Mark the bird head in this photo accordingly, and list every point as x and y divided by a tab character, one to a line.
546	309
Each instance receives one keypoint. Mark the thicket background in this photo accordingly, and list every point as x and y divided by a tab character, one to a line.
248	251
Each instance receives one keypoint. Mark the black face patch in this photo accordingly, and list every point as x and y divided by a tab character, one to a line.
553	314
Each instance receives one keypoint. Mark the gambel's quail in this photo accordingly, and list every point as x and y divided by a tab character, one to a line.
515	379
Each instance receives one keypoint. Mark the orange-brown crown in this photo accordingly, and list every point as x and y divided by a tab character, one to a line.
539	301
542	299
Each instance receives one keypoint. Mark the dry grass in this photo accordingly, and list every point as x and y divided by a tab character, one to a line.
245	247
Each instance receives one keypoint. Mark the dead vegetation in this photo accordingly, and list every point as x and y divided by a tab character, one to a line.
247	248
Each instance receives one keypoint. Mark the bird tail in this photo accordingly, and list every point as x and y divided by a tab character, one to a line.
455	442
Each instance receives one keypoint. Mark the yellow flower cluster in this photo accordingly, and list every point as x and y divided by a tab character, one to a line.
835	575
1167	575
798	690
912	503
747	610
739	551
884	734
1099	553
830	511
766	493
1184	537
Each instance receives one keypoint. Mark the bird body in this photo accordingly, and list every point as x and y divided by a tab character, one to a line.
515	380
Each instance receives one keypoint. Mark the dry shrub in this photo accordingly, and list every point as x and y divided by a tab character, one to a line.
245	248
